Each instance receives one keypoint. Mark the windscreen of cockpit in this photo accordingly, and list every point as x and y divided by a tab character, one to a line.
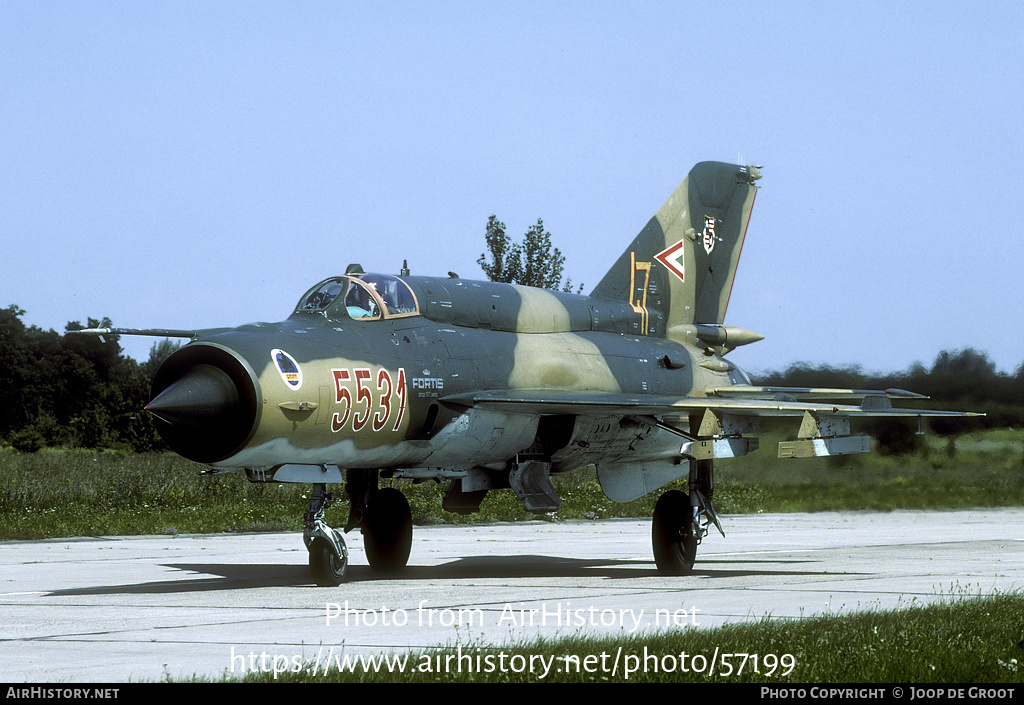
323	295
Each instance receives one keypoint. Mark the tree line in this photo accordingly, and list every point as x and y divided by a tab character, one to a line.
73	391
960	380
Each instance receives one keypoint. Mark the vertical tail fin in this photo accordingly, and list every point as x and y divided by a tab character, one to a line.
680	268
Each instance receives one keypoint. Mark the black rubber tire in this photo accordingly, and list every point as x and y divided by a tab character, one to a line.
675	546
387	531
326	569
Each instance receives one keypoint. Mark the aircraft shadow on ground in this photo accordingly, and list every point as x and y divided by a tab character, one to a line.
236	576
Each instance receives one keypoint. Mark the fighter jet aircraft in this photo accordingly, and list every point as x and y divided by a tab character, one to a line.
487	386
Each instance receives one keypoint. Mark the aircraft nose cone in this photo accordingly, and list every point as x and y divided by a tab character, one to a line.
206	402
206	393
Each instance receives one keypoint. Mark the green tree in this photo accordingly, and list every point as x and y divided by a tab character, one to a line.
504	265
532	262
14	365
69	390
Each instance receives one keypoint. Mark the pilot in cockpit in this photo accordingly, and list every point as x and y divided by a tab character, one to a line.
360	304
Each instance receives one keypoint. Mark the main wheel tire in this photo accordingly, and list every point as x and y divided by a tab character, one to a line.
387	530
327	569
674	543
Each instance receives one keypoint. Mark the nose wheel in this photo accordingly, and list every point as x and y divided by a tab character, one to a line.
326	563
328	555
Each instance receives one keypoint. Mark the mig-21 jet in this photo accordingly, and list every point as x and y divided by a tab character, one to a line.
488	386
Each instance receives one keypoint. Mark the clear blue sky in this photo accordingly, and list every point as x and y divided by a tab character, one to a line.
199	164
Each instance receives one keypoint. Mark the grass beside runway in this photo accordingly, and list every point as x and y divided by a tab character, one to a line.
963	640
62	493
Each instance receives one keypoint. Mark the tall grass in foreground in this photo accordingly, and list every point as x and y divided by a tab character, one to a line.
57	493
961	640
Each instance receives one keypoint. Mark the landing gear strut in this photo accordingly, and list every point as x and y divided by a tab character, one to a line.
328	555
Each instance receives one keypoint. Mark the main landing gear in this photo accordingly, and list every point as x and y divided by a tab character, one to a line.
382	515
677	527
387	530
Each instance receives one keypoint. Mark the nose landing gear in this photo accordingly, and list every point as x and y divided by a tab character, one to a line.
328	555
382	515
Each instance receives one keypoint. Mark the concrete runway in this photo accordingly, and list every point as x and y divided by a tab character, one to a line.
113	609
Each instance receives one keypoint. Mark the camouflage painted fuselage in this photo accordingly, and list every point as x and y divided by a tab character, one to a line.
434	377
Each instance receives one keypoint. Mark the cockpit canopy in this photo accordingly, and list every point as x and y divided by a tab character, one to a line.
360	296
